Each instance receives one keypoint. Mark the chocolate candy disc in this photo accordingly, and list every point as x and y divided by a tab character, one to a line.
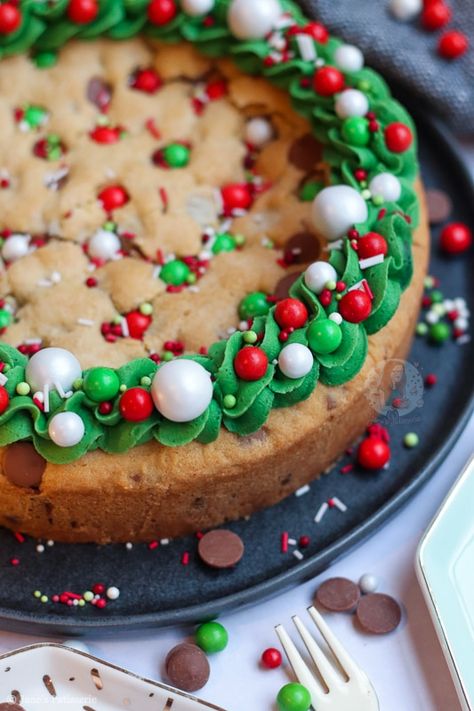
283	287
378	613
221	548
338	595
187	667
23	466
439	205
305	152
302	247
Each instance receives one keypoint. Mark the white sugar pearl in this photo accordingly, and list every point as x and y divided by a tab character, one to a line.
197	7
386	185
432	317
66	429
258	131
15	247
317	276
295	360
104	245
405	10
51	367
336	209
77	645
461	323
248	19
336	317
181	390
368	583
113	593
349	58
351	102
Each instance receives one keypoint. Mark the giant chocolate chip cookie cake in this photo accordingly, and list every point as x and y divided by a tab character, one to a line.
210	236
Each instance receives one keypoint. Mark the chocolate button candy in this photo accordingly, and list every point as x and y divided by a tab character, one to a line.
439	205
338	595
378	613
187	667
283	287
23	466
305	152
301	248
221	548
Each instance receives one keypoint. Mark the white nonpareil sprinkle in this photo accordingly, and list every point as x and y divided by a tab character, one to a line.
243	326
320	62
371	261
129	546
302	490
432	317
113	593
50	543
292	541
462	340
40	548
298	554
164	541
194	289
3	379
85	322
55	277
339	504
321	511
306	47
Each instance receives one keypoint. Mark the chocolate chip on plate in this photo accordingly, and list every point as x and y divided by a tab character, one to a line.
302	247
305	152
221	548
378	613
439	205
283	287
187	667
23	466
338	595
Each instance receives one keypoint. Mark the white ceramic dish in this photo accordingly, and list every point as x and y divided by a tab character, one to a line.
50	676
445	569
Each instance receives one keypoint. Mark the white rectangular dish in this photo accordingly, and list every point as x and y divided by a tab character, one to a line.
47	676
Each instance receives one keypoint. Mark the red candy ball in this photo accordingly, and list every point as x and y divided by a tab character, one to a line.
10	19
160	12
435	15
146	80
291	313
373	453
452	44
355	306
271	658
251	363
137	324
105	134
136	405
371	244
236	196
82	11
398	137
328	81
455	238
317	31
4	399
112	197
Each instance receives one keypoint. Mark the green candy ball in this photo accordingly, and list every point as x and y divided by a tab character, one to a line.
212	637
5	318
224	243
34	116
254	304
439	332
324	336
294	697
101	384
176	155
175	272
355	130
437	296
43	60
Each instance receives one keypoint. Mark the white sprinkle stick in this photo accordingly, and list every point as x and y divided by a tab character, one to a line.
292	541
357	285
370	261
306	47
321	511
32	341
298	554
85	322
337	244
302	490
124	327
338	504
44	282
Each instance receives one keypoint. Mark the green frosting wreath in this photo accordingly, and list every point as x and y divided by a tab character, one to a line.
43	29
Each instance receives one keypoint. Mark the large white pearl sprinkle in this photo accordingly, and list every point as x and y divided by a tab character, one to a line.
349	58
15	247
104	245
386	185
295	360
181	390
197	7
351	102
317	276
52	367
405	10
258	131
336	209
66	429
253	19
368	583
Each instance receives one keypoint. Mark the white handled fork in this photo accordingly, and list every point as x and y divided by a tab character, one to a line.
337	686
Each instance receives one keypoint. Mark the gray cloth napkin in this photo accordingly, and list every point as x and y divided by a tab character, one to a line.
405	53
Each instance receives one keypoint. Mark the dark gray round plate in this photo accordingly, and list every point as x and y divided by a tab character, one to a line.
157	590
